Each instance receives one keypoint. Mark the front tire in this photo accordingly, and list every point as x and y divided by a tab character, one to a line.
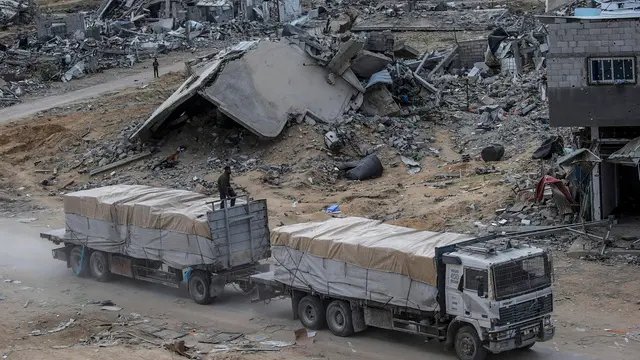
339	318
468	345
312	313
527	347
200	288
99	266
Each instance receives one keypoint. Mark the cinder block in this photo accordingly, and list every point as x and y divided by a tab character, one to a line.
604	50
579	49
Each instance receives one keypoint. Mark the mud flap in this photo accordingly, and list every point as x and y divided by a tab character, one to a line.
357	317
296	296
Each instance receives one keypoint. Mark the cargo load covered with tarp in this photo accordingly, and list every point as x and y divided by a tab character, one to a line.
361	258
180	228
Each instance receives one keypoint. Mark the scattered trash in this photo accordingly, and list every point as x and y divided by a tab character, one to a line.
333	209
111	308
414	166
60	327
278	344
27	221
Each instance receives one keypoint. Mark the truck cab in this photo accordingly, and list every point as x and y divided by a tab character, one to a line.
503	288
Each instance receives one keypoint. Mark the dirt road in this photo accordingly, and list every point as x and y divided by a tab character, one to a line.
34	106
52	291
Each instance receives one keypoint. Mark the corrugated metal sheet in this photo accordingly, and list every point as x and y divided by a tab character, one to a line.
578	156
382	77
628	155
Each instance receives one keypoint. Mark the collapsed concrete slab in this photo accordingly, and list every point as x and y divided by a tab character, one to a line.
368	63
258	85
189	89
262	88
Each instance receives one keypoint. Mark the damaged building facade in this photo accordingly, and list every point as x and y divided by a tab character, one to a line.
593	86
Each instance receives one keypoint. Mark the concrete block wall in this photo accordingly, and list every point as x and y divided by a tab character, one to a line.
73	22
572	100
380	41
471	51
571	43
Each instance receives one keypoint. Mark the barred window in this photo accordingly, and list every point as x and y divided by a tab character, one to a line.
471	278
615	70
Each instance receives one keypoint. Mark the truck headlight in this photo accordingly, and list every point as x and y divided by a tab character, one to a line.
546	321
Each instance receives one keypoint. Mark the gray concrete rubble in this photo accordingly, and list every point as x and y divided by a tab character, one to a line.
16	12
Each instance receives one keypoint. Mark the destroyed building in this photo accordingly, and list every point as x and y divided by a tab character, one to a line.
593	84
68	25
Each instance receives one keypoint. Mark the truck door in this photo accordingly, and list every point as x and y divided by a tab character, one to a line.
475	280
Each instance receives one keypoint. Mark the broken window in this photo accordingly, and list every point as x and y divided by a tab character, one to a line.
618	70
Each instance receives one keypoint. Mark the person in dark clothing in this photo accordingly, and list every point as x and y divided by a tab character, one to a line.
224	187
155	68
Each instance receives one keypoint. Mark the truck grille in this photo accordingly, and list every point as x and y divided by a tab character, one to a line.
526	310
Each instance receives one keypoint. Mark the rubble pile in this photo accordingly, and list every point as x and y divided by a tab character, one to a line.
16	12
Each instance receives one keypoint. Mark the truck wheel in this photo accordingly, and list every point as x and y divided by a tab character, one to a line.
79	264
246	287
99	266
199	288
468	345
311	312
527	347
339	318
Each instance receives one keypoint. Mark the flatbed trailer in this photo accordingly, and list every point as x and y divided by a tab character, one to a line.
241	237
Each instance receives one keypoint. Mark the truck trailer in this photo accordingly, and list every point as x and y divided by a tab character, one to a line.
163	236
479	296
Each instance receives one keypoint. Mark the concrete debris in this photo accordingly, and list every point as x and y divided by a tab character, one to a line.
16	12
60	327
368	63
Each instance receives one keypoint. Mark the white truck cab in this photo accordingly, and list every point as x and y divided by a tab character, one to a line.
504	289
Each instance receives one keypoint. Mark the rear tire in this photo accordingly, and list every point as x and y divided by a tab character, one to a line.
339	318
200	288
312	313
99	266
78	264
468	345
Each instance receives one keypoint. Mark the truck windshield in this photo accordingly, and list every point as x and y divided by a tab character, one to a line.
521	276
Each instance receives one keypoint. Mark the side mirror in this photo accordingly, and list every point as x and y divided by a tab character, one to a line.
480	280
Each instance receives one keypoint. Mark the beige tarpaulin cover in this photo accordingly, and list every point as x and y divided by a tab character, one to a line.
369	244
144	206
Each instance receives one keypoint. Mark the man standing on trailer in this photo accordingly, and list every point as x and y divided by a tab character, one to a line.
224	187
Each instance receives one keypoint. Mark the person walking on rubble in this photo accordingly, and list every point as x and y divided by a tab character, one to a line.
155	68
224	187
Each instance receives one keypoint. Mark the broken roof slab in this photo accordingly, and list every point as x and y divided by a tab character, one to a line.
189	88
276	79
